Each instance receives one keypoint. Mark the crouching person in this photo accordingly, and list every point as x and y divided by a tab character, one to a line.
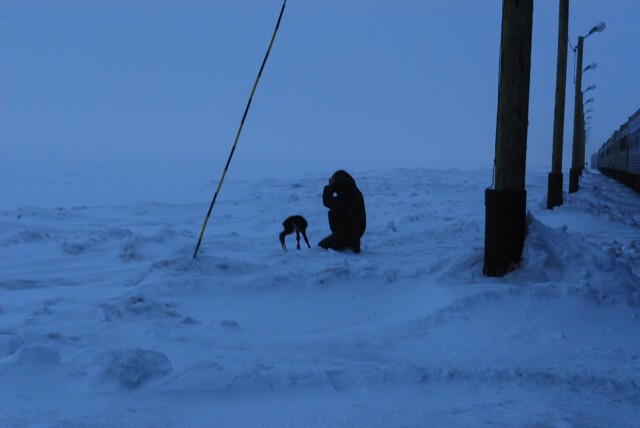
347	216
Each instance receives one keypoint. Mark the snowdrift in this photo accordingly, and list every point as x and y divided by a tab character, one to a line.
107	320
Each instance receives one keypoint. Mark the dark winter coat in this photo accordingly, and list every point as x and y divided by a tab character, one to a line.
347	215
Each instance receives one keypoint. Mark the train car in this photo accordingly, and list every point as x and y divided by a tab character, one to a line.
611	152
607	150
633	167
619	156
634	144
621	148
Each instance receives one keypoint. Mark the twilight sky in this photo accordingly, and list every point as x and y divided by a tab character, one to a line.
125	86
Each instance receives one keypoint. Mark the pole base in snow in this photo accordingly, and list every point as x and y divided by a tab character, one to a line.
574	176
554	191
505	229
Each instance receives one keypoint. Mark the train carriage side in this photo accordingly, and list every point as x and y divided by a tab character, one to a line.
634	144
601	156
633	166
608	153
620	151
619	157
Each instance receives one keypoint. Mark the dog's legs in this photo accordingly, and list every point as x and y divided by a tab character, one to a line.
288	228
304	235
298	237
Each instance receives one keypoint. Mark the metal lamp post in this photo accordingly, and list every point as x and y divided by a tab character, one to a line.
577	164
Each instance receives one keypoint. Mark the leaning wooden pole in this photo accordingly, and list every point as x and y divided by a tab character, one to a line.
235	143
505	221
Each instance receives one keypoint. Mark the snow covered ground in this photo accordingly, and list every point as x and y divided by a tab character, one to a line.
107	321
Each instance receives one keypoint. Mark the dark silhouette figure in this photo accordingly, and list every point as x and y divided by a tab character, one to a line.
295	223
347	215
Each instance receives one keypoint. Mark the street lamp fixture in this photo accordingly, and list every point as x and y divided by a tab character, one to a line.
598	28
591	66
589	88
588	111
590	100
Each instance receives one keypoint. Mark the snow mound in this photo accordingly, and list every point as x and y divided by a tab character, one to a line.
137	306
557	258
132	368
96	241
601	196
9	344
33	356
258	377
26	237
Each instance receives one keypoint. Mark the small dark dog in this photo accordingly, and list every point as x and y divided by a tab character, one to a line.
295	223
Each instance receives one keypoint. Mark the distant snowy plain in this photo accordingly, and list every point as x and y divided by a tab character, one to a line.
106	320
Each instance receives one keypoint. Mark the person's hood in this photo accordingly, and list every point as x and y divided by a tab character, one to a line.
343	181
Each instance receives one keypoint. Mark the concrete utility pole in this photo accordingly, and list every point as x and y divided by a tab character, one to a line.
583	132
576	163
505	221
554	192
